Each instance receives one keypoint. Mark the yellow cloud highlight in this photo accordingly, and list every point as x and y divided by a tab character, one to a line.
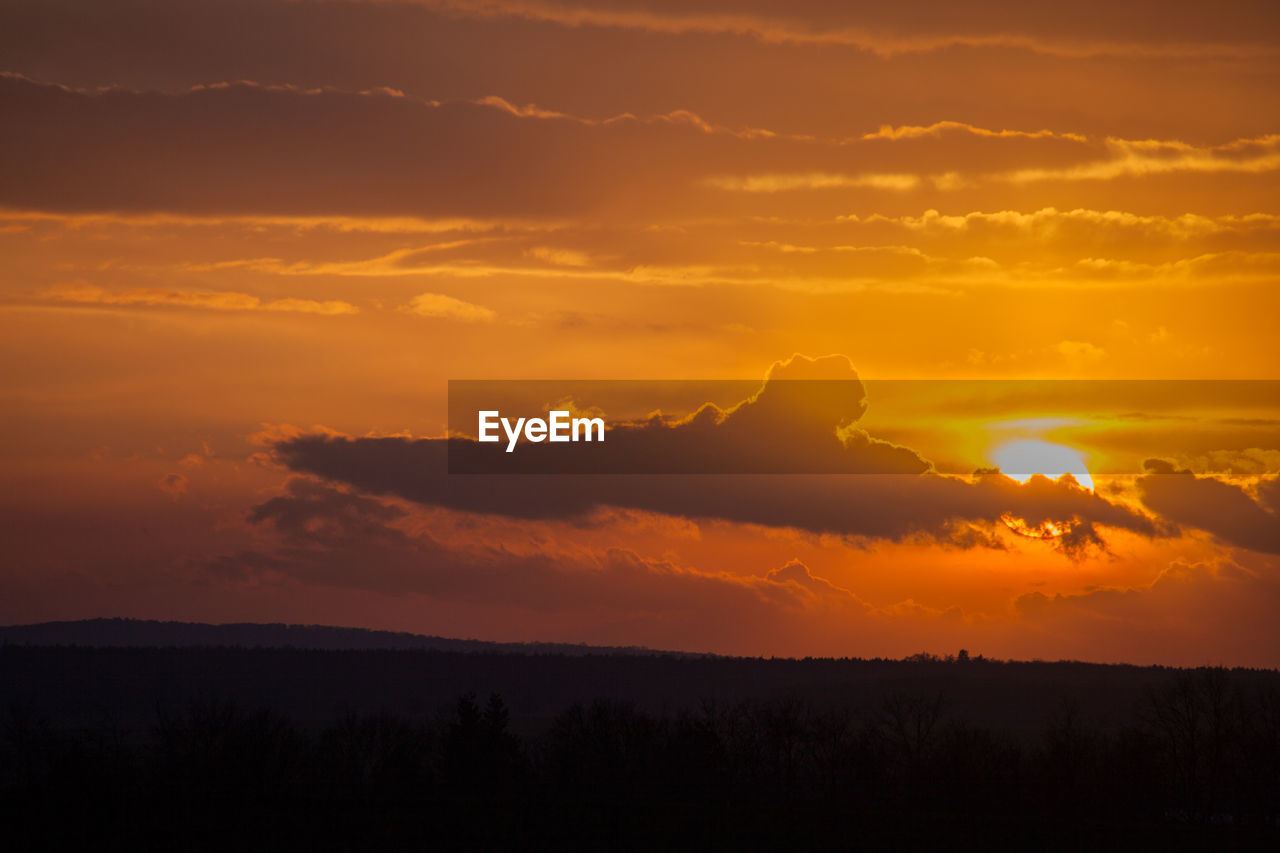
560	257
877	42
446	307
343	224
1187	224
1126	158
1153	157
791	248
783	182
212	300
888	131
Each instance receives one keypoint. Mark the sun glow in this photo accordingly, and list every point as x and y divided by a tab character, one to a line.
1043	530
1026	457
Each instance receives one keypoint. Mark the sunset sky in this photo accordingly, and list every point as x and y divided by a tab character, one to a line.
247	244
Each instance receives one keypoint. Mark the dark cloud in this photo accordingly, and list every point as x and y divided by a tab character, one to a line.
803	419
244	147
1194	612
174	485
1227	510
317	514
675	55
796	572
247	148
322	534
895	506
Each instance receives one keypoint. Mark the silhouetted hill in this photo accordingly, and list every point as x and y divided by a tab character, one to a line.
73	674
148	633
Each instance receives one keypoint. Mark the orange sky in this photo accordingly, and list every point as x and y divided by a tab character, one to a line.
227	227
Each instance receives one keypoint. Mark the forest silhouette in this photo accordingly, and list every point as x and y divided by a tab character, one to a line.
211	748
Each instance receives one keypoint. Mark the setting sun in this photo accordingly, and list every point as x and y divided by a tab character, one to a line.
1025	458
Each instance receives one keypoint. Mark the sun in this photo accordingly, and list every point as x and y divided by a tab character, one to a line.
1025	457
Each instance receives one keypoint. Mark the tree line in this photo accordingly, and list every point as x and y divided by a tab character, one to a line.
1197	759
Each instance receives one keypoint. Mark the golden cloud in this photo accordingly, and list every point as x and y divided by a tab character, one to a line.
86	294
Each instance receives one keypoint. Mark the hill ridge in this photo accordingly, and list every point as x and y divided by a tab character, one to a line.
154	633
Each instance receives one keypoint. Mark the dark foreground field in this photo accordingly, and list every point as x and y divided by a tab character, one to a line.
209	748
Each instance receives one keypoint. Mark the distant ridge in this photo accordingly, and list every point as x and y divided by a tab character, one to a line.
150	633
